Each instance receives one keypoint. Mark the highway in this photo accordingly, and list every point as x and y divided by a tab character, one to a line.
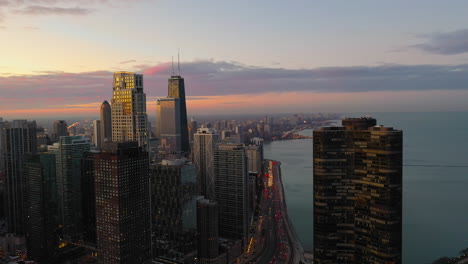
274	239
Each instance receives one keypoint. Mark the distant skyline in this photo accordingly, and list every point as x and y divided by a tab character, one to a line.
237	57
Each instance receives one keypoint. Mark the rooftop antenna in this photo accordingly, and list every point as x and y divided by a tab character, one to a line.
172	65
178	61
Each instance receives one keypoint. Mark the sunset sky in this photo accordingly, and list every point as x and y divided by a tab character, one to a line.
243	56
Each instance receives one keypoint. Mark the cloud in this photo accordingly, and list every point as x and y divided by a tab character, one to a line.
445	43
45	10
57	7
128	61
31	28
205	78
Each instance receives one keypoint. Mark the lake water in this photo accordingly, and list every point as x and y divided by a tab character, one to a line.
435	199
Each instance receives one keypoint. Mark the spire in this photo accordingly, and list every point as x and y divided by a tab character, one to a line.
178	61
172	65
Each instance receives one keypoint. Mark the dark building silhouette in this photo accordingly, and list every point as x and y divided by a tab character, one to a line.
173	202
123	204
203	156
88	198
40	205
106	122
19	138
60	130
231	191
176	89
208	236
69	155
358	193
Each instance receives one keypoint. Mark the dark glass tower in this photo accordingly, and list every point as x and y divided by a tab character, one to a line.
358	193
231	187
19	138
123	204
173	202
176	89
207	226
41	205
60	130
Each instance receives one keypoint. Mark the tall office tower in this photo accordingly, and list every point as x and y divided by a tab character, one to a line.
173	214
129	119
358	193
255	155
41	205
207	226
60	130
169	125
19	138
231	191
106	122
88	197
97	137
203	156
192	129
2	161
123	204
176	89
69	155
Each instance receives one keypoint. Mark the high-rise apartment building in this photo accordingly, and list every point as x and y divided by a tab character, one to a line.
168	128
231	191
205	141
69	153
60	130
358	193
40	205
129	119
173	214
19	138
106	122
123	204
97	137
176	89
193	126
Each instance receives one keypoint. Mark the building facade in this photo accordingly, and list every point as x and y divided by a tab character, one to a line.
358	193
41	205
106	122
204	146
176	89
123	204
129	119
208	236
168	128
69	155
173	202
19	138
97	137
60	130
231	191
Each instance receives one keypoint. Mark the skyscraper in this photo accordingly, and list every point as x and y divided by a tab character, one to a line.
207	226
106	122
19	138
88	197
173	202
69	155
231	187
168	124
176	89
358	193
123	204
2	160
192	129
60	130
203	156
129	119
41	206
97	137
